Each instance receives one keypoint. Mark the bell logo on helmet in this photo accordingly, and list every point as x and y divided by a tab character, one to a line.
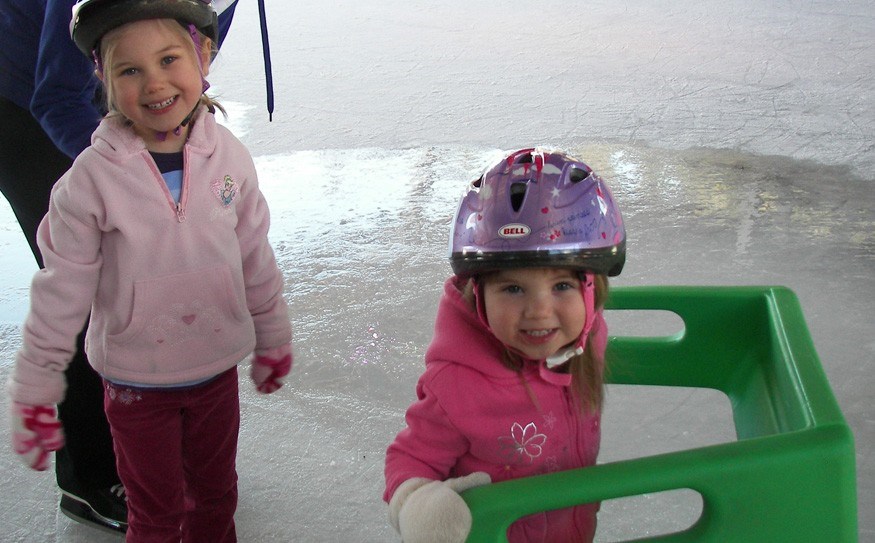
514	231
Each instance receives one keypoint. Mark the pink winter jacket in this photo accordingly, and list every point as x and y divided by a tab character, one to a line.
474	414
176	293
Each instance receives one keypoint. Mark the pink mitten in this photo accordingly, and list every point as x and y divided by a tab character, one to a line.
270	366
36	432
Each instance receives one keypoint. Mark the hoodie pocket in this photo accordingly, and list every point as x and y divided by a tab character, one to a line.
181	321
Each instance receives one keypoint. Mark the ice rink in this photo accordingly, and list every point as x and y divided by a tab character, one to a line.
738	138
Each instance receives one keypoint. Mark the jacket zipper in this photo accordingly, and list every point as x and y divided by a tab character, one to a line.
177	207
183	190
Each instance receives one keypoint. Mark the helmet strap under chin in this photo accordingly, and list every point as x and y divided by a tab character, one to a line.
196	41
162	136
587	290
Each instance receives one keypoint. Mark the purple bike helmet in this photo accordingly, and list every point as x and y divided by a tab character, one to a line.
538	208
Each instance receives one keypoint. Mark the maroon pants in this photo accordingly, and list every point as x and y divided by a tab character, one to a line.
176	452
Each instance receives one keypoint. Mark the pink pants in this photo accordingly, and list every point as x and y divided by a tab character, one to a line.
176	452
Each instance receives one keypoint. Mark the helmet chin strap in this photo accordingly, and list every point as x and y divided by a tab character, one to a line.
587	290
196	40
162	136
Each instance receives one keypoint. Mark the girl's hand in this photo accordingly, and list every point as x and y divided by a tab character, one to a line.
270	366
425	511
36	432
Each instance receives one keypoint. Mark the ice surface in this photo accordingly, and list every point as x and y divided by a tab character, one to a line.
738	138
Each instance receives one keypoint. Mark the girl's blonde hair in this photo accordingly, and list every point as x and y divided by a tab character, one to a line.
109	43
587	370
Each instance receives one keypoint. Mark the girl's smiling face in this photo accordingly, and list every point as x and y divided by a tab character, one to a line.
536	311
155	75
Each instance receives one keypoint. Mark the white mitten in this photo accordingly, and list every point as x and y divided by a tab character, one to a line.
36	433
426	511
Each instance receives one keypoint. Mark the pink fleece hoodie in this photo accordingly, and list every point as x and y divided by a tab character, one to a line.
474	414
176	293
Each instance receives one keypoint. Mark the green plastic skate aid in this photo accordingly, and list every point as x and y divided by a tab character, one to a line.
790	476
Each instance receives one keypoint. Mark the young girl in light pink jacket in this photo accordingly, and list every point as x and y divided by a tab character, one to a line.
513	380
159	233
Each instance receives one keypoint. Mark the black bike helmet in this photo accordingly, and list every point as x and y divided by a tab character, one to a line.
92	19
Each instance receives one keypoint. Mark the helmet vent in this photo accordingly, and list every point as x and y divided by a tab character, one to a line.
477	182
525	159
517	195
576	175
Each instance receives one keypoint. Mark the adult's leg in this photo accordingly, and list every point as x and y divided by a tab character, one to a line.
85	468
29	166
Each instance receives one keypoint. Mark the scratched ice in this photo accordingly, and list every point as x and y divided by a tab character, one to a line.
738	139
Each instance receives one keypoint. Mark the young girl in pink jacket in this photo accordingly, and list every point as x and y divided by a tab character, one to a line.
158	232
513	384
